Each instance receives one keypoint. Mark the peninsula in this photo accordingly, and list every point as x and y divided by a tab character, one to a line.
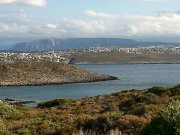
31	73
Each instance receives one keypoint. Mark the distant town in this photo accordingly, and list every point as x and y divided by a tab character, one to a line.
66	56
137	50
10	57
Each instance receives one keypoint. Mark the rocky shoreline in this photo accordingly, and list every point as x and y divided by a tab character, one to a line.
14	102
107	78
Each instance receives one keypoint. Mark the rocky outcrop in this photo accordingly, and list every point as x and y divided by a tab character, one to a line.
46	73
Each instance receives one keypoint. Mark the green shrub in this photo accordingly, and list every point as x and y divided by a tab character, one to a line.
175	90
157	90
126	104
167	123
142	109
55	102
148	98
139	109
23	131
52	125
158	126
9	112
40	126
172	115
3	129
112	107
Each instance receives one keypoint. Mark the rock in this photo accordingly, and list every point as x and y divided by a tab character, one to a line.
15	102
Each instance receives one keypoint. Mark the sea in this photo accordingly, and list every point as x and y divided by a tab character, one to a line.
131	76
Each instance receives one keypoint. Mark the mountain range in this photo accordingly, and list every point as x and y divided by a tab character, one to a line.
78	43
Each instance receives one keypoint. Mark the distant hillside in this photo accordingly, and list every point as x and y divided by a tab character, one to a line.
44	73
77	43
125	58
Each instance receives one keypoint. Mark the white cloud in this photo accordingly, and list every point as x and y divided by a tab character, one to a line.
39	3
96	14
51	26
99	25
134	25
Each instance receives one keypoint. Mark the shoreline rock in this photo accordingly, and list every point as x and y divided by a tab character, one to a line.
15	102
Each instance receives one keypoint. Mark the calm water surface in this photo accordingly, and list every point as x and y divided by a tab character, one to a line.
132	76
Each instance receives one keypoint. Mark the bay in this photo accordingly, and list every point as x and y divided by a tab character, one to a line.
131	76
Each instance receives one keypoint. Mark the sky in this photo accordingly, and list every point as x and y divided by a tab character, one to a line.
148	20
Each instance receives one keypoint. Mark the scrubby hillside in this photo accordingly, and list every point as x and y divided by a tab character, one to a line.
42	73
146	112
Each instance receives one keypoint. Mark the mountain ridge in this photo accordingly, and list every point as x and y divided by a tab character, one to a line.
78	43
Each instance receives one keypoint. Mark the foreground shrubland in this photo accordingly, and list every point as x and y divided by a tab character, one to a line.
146	112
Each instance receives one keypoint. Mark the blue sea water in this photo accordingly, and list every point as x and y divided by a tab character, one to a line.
131	76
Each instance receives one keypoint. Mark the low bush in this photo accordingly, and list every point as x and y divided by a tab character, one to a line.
3	129
147	98
157	90
139	109
131	123
112	107
9	112
23	131
127	103
53	103
175	90
103	123
144	110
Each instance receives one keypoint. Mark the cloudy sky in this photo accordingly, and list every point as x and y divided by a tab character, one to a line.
137	19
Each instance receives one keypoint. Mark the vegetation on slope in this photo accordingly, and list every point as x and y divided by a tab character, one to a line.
145	112
121	58
45	72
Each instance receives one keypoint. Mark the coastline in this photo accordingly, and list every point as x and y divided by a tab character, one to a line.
112	63
107	78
